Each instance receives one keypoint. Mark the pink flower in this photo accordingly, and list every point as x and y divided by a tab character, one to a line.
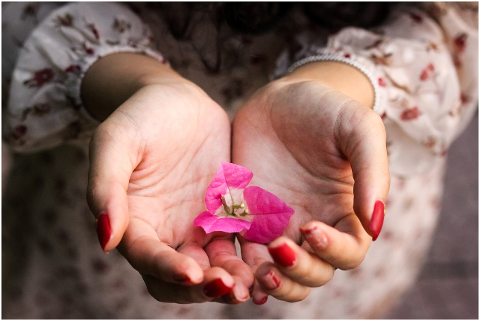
232	207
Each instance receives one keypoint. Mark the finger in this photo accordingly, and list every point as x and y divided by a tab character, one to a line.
217	283
280	286
254	255
258	294
222	253
148	255
343	246
108	177
299	265
363	141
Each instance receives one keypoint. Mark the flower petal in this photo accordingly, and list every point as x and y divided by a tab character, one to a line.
270	215
212	223
229	176
236	176
215	190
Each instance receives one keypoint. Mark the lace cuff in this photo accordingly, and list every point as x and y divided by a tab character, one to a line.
324	55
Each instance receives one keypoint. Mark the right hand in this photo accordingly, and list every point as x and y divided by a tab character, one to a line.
151	161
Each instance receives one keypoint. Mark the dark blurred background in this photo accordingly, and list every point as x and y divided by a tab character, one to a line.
448	285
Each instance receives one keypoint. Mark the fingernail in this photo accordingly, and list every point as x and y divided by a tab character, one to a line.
316	237
104	230
181	278
282	255
376	222
216	288
270	281
261	301
231	298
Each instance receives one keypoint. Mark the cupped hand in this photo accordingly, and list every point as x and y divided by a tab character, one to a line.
324	154
151	161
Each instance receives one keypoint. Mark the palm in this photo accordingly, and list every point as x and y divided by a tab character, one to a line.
289	137
178	153
167	144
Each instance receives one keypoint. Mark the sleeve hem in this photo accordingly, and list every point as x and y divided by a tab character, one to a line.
346	59
74	81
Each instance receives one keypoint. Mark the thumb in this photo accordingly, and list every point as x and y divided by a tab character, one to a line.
108	178
366	150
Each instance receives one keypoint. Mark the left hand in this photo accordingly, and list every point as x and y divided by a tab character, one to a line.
324	154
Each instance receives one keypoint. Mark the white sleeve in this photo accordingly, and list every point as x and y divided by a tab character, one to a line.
45	108
425	72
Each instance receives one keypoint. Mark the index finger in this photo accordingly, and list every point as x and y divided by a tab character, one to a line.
363	141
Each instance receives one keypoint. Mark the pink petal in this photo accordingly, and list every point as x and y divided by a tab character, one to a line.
212	223
228	176
215	190
236	176
270	215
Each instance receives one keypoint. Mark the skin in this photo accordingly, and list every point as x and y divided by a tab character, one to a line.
151	161
159	145
312	139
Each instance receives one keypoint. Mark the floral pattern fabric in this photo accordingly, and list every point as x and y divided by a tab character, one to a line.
45	107
426	66
425	99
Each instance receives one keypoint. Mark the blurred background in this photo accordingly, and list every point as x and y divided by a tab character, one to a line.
448	284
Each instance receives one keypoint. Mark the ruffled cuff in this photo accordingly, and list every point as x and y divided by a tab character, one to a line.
315	54
45	108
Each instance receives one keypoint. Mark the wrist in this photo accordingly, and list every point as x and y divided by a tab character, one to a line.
339	76
115	78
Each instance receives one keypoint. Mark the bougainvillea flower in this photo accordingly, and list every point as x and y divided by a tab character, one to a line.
234	207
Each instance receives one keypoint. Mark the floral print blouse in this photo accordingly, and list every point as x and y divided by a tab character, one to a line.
423	63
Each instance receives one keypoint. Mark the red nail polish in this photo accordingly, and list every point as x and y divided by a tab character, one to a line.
376	222
216	288
104	230
315	237
271	281
260	302
282	255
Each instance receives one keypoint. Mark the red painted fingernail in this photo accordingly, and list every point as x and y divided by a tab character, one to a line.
231	298
376	222
282	255
315	237
260	302
216	288
104	230
271	281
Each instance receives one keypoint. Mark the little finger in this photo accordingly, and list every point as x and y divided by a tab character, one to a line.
298	264
280	286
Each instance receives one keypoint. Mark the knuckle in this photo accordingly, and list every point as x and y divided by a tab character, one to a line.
353	263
